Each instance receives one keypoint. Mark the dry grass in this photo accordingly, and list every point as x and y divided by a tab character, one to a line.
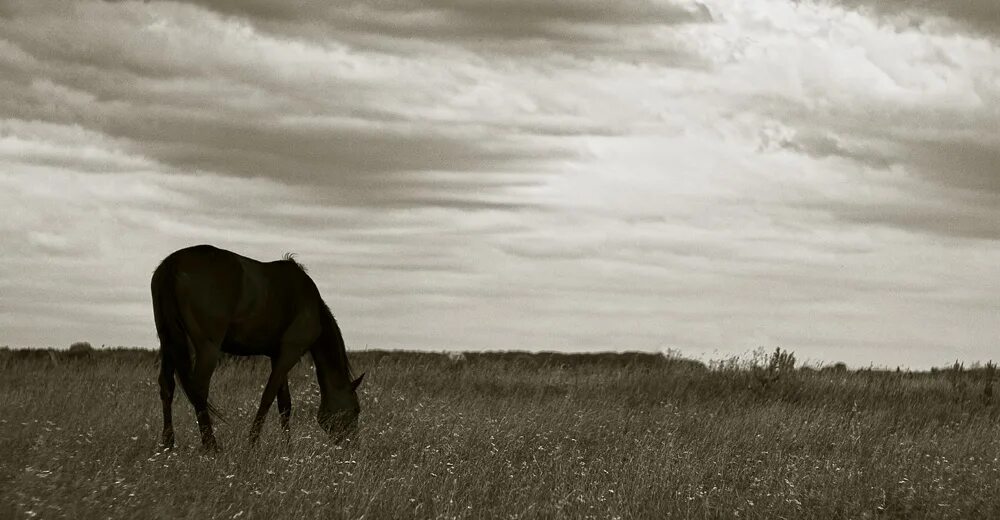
505	436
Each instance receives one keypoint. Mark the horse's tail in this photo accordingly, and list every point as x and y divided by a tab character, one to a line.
174	344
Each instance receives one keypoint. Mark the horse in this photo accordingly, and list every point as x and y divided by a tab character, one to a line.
207	301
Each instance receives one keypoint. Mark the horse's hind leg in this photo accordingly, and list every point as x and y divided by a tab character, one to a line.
167	385
285	406
207	358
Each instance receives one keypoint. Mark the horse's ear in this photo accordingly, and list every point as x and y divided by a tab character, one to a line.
357	382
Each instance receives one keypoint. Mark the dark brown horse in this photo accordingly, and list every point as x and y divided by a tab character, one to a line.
207	301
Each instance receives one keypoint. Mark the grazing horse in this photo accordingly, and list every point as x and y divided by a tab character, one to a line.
207	301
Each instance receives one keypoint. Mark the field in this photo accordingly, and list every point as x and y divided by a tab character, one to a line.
507	435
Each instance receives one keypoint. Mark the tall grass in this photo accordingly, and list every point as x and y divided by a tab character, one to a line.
506	436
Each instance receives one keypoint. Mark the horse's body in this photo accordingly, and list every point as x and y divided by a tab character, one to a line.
208	300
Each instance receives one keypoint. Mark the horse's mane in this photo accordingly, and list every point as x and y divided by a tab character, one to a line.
331	335
290	257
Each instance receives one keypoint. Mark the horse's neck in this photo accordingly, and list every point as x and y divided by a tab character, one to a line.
329	372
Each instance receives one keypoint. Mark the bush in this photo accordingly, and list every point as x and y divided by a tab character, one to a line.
81	347
837	368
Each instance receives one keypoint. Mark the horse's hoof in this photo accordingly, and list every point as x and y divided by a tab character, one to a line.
211	446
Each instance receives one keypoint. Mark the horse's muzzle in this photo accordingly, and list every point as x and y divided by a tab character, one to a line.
339	425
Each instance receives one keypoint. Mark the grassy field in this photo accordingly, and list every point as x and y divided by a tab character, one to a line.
506	436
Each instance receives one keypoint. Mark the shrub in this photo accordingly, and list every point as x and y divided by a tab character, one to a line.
837	368
81	347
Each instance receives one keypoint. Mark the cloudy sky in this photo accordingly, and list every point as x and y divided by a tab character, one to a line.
711	176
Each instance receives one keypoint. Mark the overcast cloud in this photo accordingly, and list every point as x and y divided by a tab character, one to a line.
981	16
706	176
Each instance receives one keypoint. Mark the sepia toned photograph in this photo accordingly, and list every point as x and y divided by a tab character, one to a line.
499	259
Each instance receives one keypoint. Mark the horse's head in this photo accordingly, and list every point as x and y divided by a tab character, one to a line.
339	410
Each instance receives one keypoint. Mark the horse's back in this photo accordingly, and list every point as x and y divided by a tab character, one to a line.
207	274
248	305
206	283
276	296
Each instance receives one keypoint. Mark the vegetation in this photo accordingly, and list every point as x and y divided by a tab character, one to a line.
81	347
508	435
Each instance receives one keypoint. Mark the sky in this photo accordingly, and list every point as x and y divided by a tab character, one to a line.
706	177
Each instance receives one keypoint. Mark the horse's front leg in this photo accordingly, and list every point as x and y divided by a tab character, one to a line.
277	383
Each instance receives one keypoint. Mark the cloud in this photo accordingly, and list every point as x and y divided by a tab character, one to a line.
971	164
905	117
964	162
945	177
195	92
626	175
449	20
981	16
822	145
944	218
